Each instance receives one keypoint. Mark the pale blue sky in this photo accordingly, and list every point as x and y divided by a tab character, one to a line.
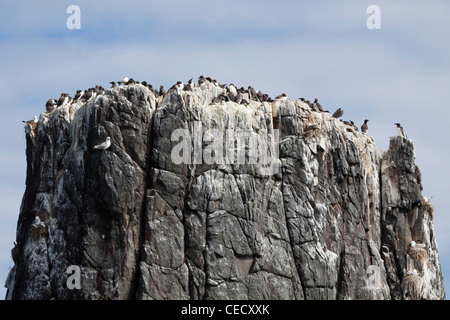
400	73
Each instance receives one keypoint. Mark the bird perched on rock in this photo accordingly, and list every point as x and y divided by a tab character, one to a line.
179	85
413	244
338	113
37	223
78	95
414	271
230	96
232	89
238	97
113	84
259	96
161	92
88	94
124	80
353	125
34	121
63	99
281	97
400	130
317	104
201	80
188	86
252	93
191	83
104	145
365	127
50	105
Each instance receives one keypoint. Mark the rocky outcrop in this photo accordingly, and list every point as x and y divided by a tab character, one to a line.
170	211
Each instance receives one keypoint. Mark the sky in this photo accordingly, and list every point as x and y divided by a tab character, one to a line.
324	49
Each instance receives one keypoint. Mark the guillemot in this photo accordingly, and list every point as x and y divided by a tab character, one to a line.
365	127
400	130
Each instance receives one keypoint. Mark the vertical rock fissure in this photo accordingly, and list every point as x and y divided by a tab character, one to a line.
135	287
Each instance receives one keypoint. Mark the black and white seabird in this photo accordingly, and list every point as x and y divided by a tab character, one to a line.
87	94
231	96
260	96
113	84
63	99
317	104
188	86
161	92
179	85
231	88
364	126
238	97
252	93
354	125
400	130
338	113
78	95
201	80
155	92
281	97
50	105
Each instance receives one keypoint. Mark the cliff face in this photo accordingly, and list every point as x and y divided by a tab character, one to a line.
324	218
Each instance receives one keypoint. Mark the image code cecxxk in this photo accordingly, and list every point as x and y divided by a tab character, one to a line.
224	159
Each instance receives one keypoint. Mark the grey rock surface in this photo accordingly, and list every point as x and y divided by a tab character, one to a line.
333	220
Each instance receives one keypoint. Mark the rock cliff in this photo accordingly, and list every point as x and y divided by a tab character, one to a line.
167	212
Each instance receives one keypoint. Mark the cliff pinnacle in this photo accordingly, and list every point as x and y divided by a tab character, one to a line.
299	206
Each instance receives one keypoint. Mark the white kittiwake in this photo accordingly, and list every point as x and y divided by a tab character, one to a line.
37	222
414	271
124	80
104	145
35	120
417	245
